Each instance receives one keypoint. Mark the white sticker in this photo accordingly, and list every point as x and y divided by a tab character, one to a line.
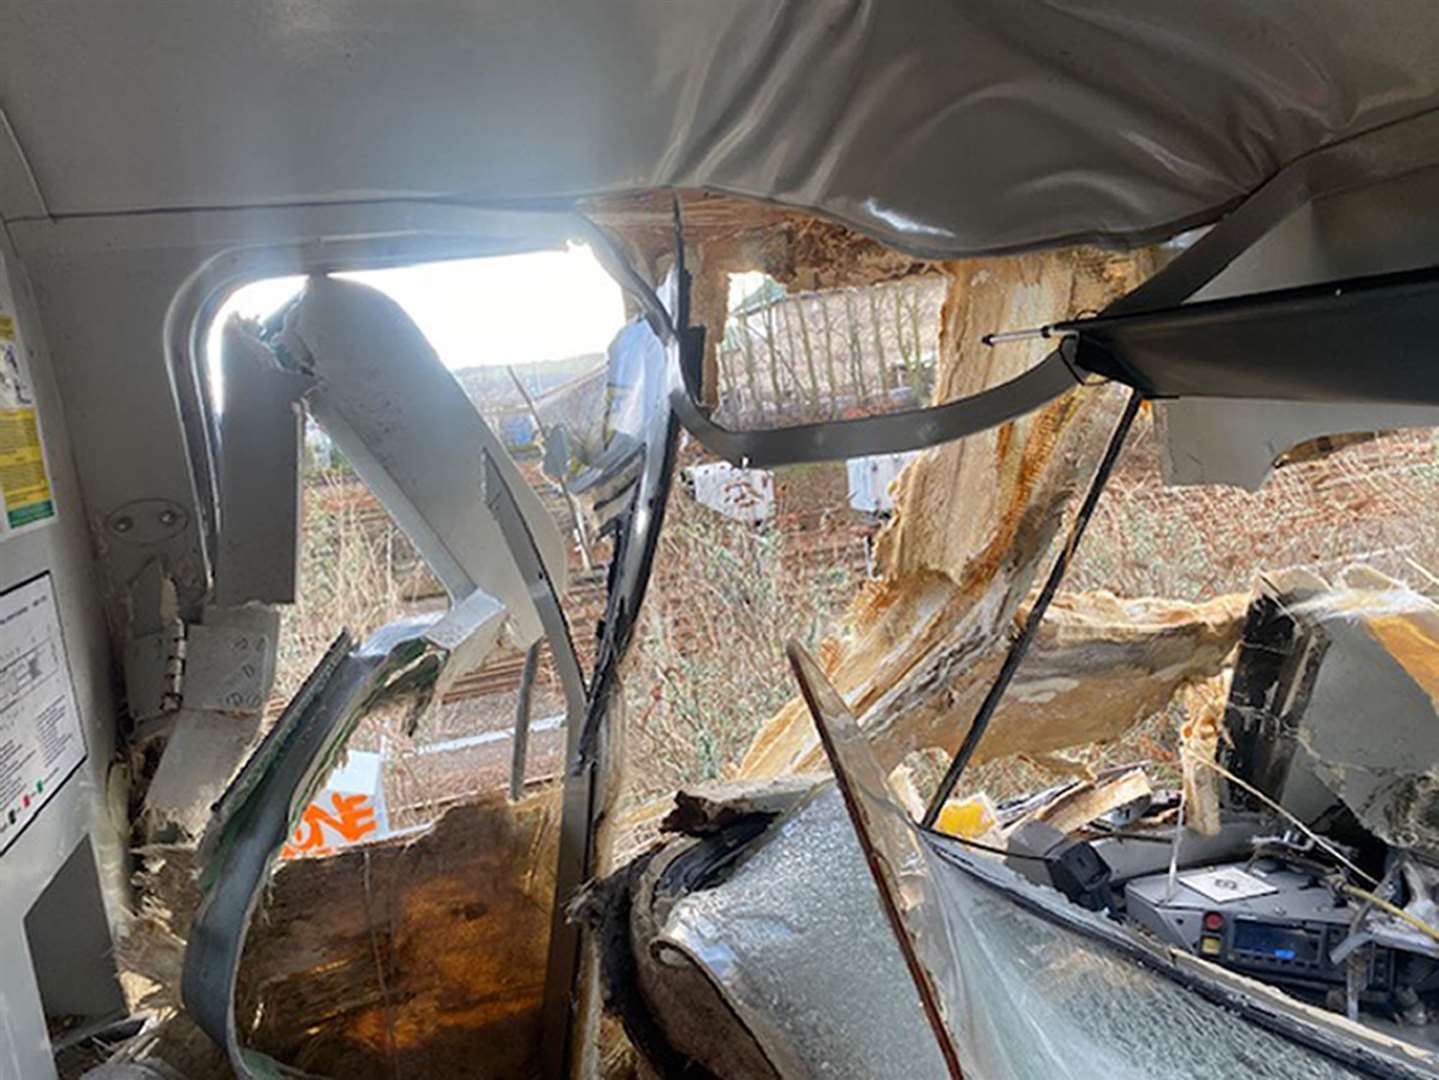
349	810
41	741
1229	883
26	500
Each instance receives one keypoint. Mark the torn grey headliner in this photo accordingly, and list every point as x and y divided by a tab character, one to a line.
944	129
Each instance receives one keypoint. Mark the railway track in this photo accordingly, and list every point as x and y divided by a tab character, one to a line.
812	539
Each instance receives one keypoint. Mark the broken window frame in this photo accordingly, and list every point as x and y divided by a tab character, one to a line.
284	770
638	533
259	811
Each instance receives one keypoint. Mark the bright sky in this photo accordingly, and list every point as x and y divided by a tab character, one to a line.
513	309
741	285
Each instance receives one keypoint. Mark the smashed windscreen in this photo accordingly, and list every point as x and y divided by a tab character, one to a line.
796	943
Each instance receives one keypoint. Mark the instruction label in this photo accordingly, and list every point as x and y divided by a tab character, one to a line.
25	496
41	740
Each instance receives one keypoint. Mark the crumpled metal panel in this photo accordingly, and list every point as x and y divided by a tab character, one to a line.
417	441
257	473
405	659
1339	698
945	129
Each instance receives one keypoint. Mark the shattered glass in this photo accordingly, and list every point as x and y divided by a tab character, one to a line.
1034	998
797	944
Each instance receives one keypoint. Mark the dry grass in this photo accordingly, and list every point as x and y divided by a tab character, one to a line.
353	572
1369	501
709	663
708	667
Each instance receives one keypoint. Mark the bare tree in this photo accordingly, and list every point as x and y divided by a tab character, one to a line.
856	351
878	341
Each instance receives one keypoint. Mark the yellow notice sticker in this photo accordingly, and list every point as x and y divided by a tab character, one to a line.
25	494
22	469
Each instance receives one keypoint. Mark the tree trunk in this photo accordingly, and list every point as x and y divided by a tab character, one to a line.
709	305
974	522
834	387
908	356
767	321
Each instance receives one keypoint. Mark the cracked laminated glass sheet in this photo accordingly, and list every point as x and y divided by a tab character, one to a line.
1033	997
797	944
1017	995
796	940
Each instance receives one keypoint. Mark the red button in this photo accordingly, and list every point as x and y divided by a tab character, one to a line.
1213	921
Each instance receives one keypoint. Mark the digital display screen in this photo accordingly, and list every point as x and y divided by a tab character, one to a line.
1277	942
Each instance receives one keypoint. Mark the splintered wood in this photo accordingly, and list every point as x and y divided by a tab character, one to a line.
420	957
1084	802
411	959
1199	743
973	524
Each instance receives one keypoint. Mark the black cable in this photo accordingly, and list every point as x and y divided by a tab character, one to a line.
989	847
1036	613
1096	835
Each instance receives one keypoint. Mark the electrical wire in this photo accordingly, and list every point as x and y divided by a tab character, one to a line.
963	842
1020	645
1305	829
1393	909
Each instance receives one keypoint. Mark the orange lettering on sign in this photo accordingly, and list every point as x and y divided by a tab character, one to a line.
353	818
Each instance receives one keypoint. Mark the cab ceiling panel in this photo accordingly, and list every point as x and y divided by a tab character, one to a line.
945	129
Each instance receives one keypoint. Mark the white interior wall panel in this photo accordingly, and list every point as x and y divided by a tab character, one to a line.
75	809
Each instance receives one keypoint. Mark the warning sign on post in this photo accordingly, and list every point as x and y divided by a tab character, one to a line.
25	496
41	741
